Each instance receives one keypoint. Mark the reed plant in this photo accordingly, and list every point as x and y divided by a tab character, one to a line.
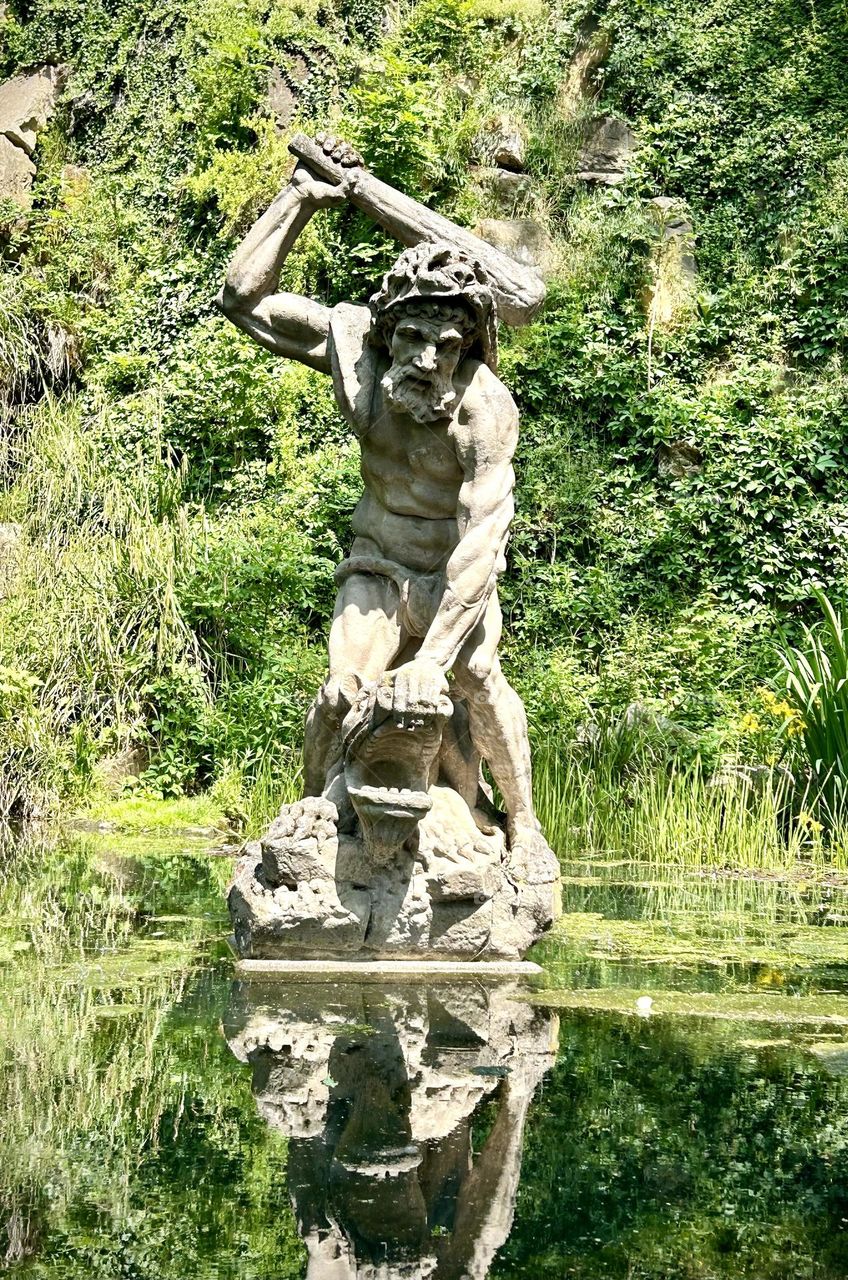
817	686
675	814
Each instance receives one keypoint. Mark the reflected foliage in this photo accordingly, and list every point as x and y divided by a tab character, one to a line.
658	1151
707	1140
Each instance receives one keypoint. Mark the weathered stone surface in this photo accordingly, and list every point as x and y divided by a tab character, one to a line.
746	785
303	890
582	79
606	155
673	267
376	1087
678	460
115	770
676	226
16	174
523	239
397	850
26	104
501	142
466	87
281	98
508	193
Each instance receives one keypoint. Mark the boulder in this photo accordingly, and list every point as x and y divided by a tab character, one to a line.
678	460
16	174
26	104
281	99
310	891
76	180
521	238
673	266
501	142
116	770
465	87
505	191
607	152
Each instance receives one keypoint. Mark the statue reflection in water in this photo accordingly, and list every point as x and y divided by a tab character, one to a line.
405	1109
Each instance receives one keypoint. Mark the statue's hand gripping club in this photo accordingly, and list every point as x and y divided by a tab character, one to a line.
340	162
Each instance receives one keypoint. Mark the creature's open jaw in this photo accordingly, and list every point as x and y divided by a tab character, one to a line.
391	802
388	768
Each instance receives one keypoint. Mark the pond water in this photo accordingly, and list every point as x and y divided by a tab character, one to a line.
669	1101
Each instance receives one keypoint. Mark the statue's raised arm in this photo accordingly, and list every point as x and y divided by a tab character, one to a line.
286	323
328	173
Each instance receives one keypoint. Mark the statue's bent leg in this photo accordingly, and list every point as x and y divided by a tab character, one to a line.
365	637
497	718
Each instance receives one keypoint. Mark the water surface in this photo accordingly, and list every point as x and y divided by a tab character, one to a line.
670	1101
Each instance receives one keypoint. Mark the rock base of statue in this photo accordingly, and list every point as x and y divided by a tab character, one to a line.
449	891
392	862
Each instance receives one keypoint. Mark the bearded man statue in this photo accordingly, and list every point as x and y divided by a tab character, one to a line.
413	644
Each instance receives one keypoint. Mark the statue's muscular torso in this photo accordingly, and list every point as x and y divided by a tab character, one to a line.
412	472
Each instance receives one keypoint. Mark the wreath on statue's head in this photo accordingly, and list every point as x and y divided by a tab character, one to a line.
437	273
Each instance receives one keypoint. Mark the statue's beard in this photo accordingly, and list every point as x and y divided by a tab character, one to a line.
425	397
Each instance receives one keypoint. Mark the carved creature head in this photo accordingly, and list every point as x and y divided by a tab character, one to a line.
453	283
388	770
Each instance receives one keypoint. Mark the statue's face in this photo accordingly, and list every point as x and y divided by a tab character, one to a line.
426	350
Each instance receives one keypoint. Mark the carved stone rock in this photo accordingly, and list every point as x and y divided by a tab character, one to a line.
376	1088
457	893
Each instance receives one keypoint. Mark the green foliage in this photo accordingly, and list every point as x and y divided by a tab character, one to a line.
630	794
182	496
817	685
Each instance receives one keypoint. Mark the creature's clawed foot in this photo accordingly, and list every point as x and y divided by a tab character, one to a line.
531	858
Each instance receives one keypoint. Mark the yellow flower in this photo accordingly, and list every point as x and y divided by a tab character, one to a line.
781	710
769	700
750	723
808	822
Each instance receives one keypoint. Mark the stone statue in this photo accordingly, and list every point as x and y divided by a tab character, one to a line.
376	1089
393	748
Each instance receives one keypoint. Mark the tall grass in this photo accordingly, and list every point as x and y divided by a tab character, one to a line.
90	612
675	815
